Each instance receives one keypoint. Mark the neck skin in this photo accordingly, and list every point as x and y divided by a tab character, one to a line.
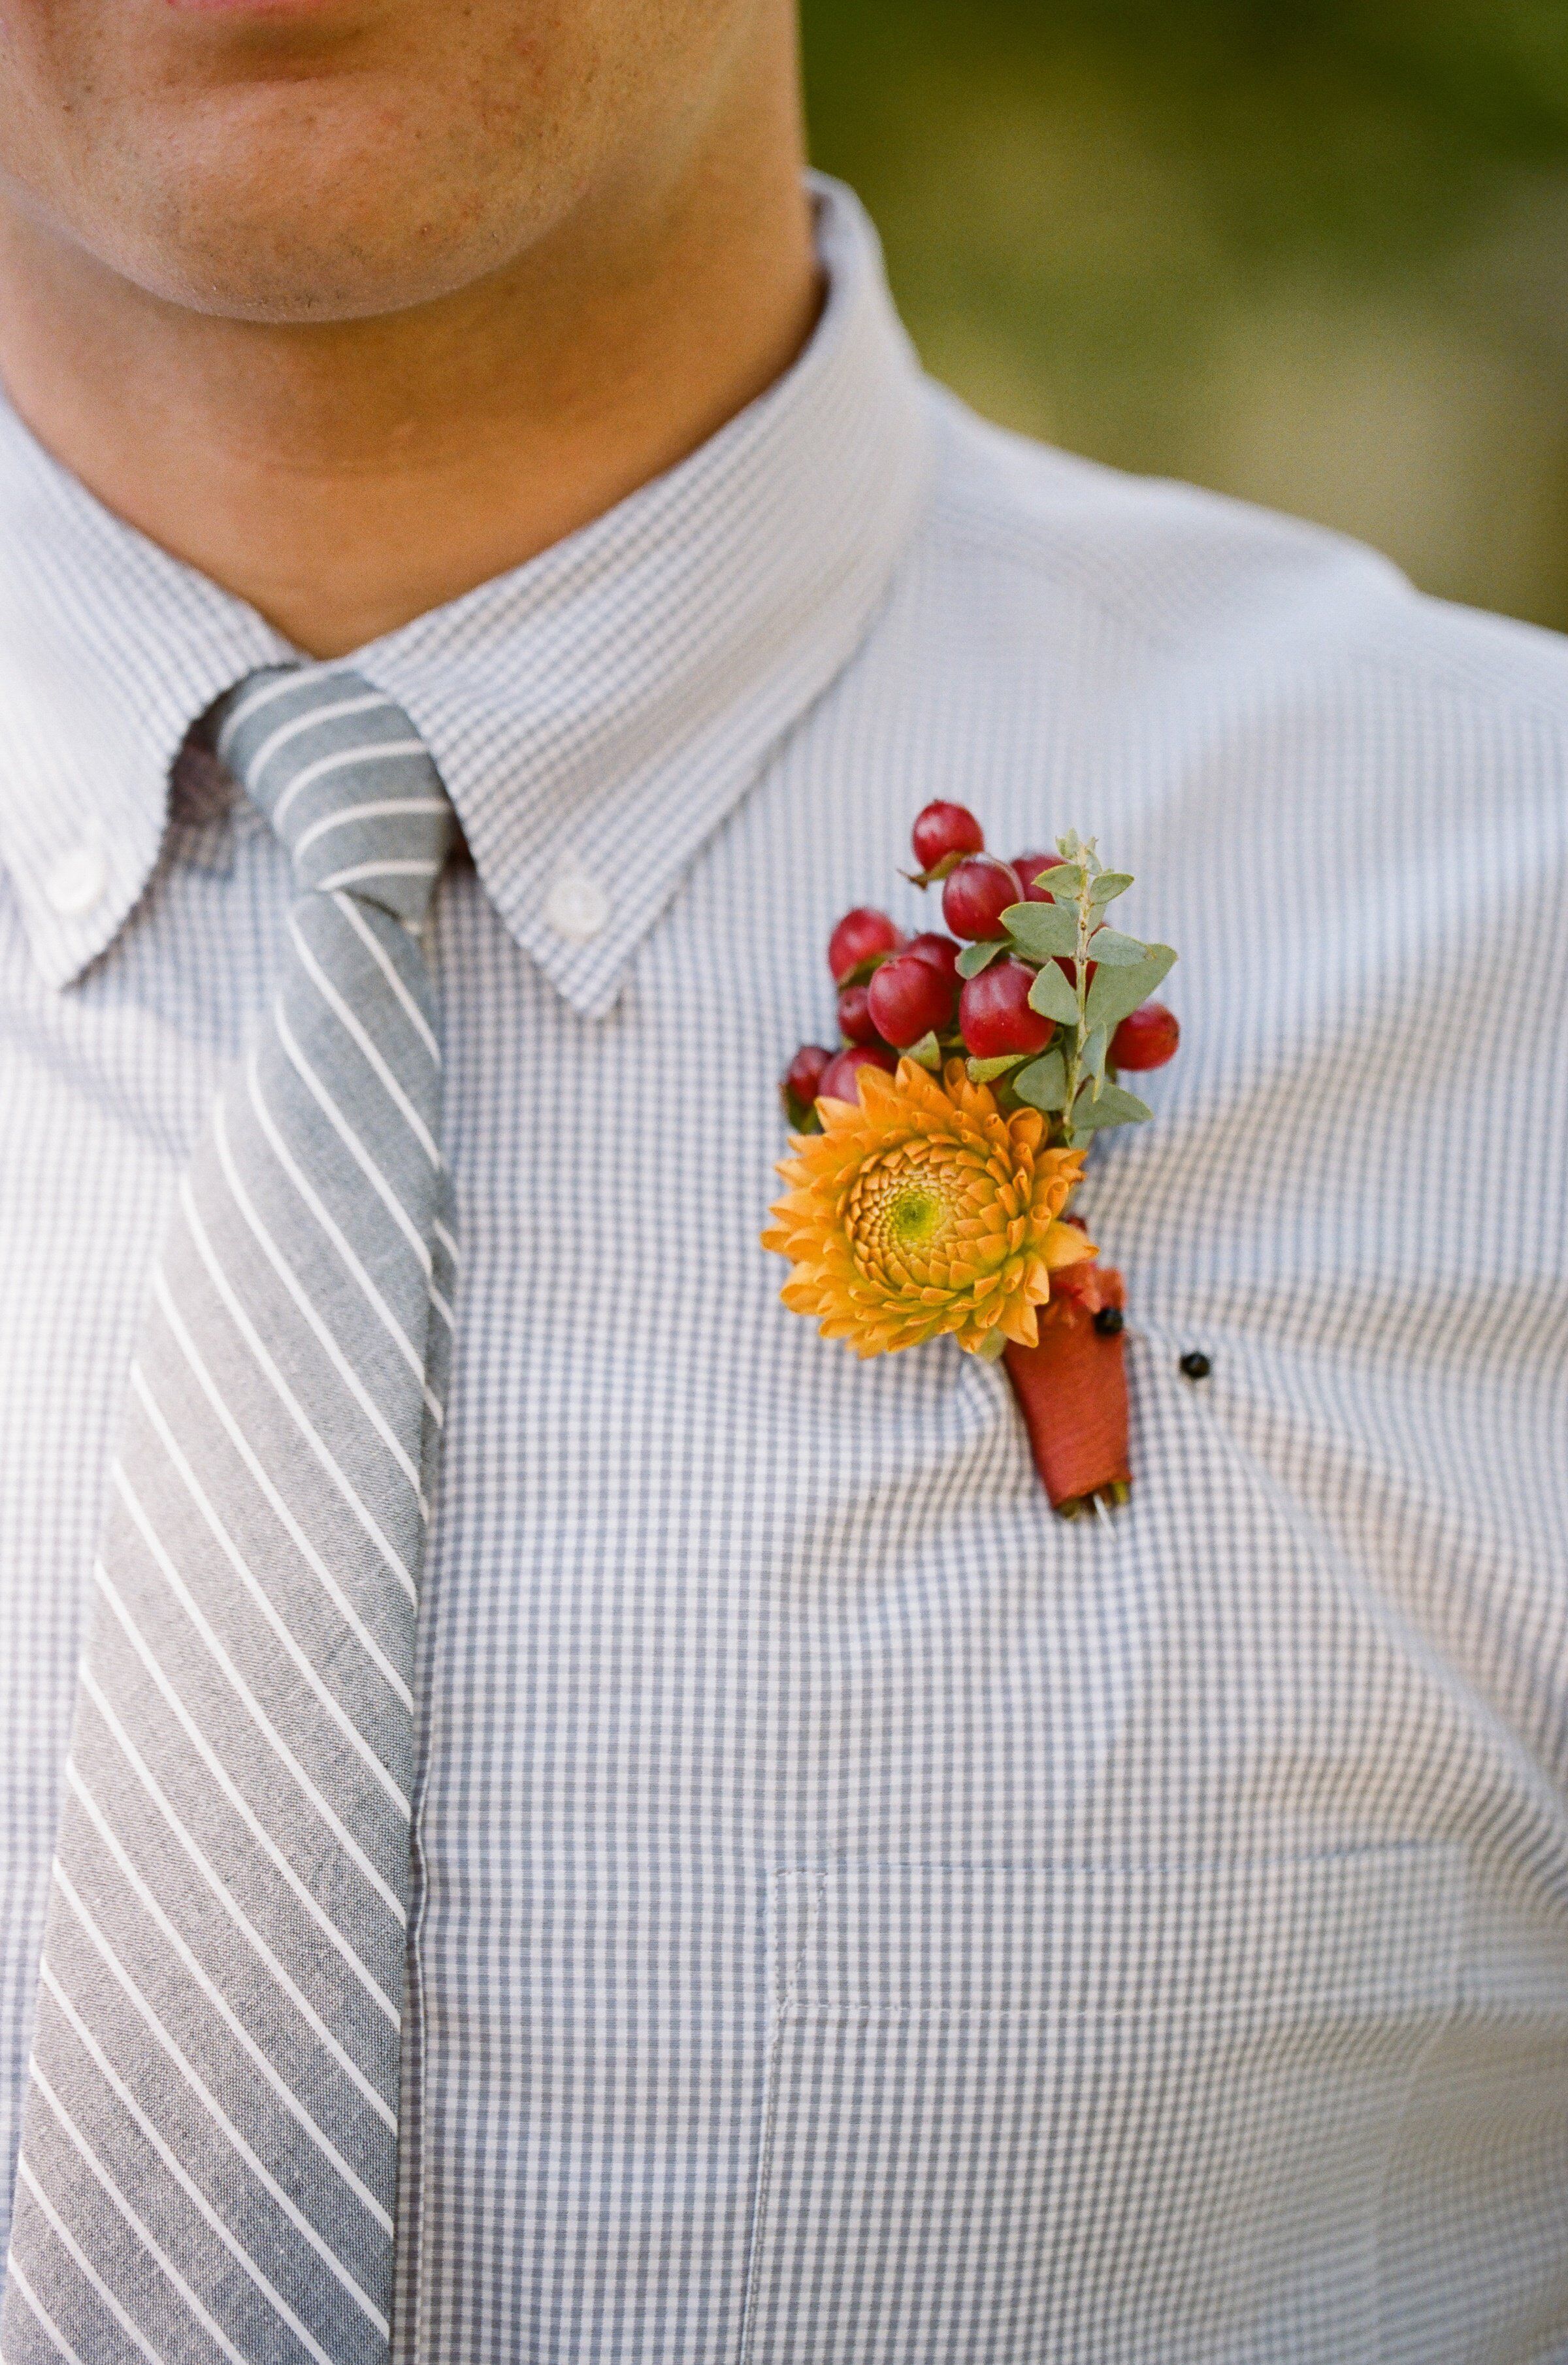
345	477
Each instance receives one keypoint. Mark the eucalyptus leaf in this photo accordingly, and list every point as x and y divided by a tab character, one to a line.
1043	1083
1053	997
1070	846
1113	1106
1110	884
1063	880
1041	930
985	1072
1113	992
1109	947
1092	1058
974	958
927	1052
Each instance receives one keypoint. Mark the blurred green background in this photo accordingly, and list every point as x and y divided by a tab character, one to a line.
1311	251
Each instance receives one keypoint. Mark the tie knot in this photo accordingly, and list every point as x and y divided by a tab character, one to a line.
345	780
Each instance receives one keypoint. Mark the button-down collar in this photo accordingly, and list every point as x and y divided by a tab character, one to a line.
594	713
108	650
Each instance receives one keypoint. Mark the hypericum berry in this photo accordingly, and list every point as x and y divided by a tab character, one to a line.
804	1074
994	1012
910	998
860	937
837	1082
854	1020
1029	866
1147	1038
943	829
976	895
941	951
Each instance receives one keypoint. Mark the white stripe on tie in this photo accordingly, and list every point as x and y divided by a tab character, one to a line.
149	2240
287	730
291	1527
358	872
377	951
342	761
377	811
352	1263
351	1140
263	1839
206	1987
266	1363
177	2169
230	1905
353	1028
309	1317
246	1693
266	694
258	1594
247	1699
192	2078
83	2265
17	2279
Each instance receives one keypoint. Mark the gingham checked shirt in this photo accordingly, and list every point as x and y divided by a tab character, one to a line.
861	1920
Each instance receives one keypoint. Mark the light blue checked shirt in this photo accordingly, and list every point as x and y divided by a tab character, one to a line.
861	1920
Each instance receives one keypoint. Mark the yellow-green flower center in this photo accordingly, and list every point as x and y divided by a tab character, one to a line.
901	1209
912	1217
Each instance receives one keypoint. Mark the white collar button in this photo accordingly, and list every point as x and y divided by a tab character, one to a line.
76	881
576	907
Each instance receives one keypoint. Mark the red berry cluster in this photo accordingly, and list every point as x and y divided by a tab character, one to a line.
896	991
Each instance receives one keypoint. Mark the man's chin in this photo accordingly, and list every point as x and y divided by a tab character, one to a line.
245	262
325	182
296	228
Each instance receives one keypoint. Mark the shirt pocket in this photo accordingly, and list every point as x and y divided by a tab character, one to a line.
1078	2111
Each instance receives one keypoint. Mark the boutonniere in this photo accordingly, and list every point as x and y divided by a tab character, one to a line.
934	1155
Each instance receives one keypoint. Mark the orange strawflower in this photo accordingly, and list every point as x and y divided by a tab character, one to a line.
924	1211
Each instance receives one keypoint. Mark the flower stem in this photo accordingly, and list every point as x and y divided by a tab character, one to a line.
1085	902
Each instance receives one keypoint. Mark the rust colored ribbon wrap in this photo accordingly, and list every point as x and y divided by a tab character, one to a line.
1072	1389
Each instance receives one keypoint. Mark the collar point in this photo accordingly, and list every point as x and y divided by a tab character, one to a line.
74	901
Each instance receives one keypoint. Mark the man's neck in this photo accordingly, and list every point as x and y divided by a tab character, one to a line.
345	477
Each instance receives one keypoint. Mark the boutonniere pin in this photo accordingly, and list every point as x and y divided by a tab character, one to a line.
934	1155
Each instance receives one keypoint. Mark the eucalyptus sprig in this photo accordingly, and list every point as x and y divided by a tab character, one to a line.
1069	1082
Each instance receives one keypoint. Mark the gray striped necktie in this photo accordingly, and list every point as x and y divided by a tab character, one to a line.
210	2138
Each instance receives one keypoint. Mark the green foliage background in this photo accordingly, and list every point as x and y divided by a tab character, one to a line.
1311	251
